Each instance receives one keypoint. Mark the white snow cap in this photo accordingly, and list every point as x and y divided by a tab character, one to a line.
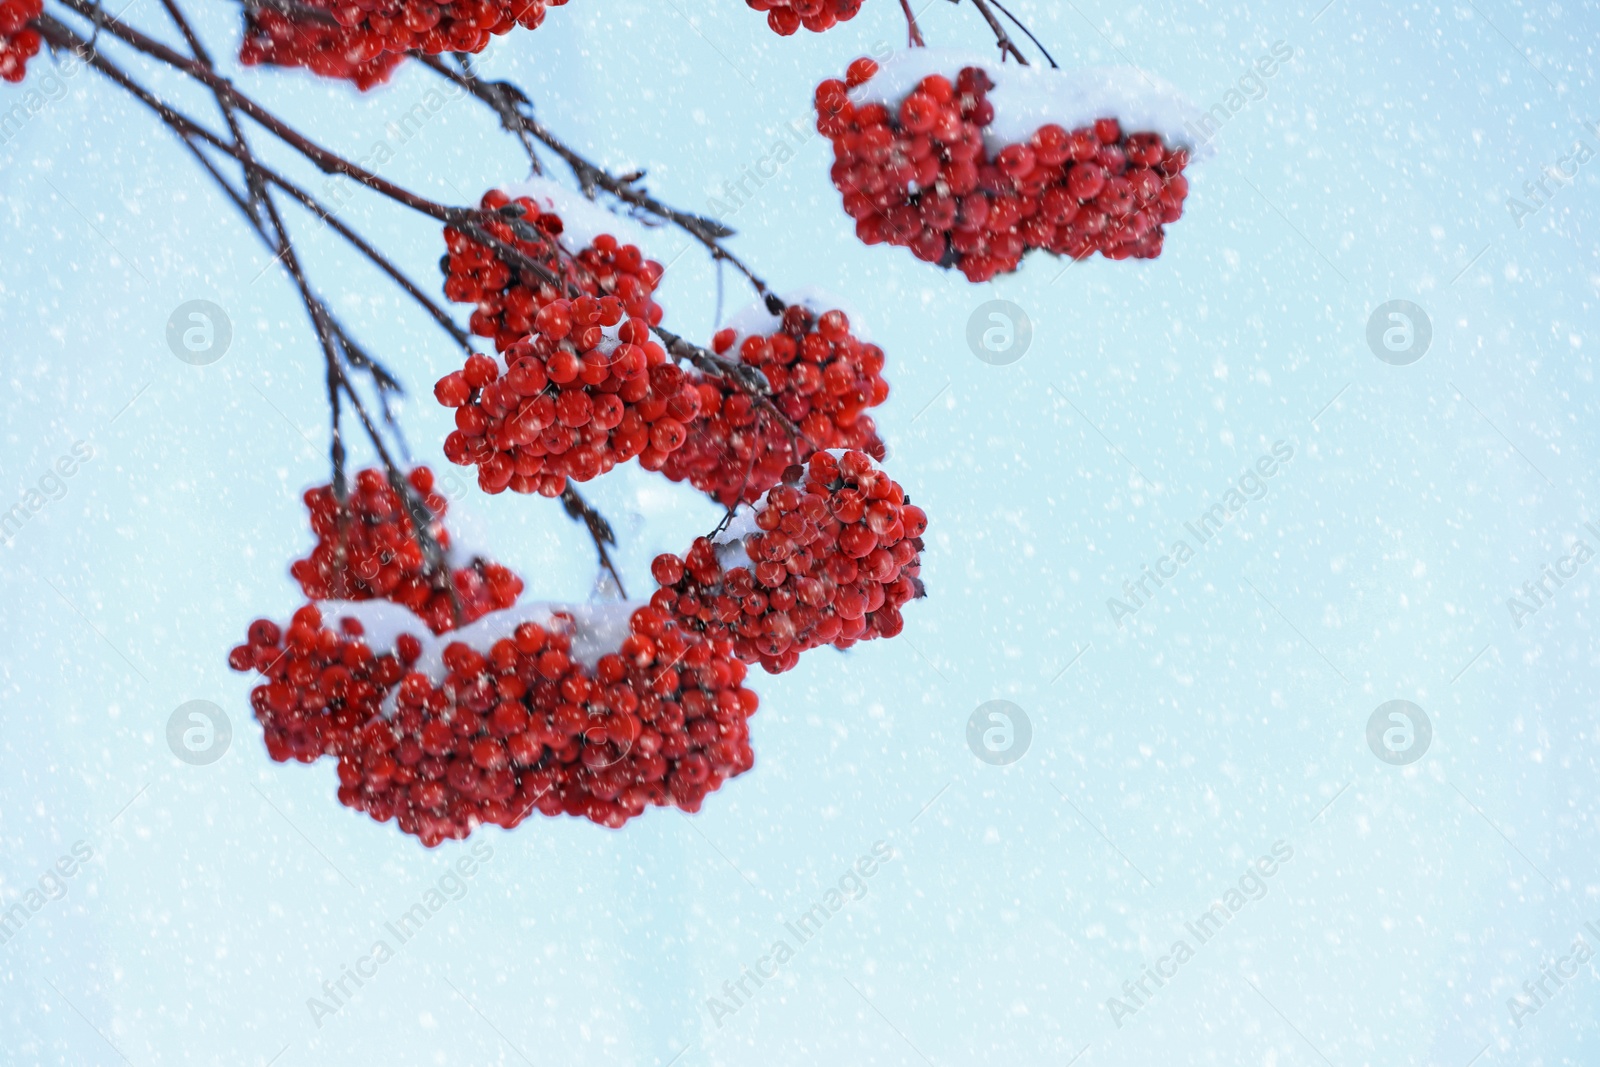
582	219
755	319
1026	98
730	542
599	628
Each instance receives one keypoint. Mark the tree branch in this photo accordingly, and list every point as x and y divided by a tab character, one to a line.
913	31
255	202
1005	43
600	531
61	36
503	97
503	105
328	162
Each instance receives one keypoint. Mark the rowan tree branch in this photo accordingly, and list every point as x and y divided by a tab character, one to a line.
913	31
514	107
340	350
329	162
1005	42
59	35
600	531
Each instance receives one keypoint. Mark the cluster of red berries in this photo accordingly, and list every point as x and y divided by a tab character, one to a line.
322	684
586	390
274	38
835	554
364	40
823	380
507	299
787	16
19	42
919	176
527	711
367	550
520	727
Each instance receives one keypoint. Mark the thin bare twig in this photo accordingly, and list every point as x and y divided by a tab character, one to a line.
327	161
913	31
600	531
506	108
325	336
1024	28
61	36
504	98
382	378
421	518
332	336
1005	43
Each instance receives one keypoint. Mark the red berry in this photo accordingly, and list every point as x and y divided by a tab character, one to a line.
860	72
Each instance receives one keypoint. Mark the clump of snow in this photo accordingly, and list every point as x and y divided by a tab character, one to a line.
755	320
730	542
382	621
598	628
582	219
741	525
1026	98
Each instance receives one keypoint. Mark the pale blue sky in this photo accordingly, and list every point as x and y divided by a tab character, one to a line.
1230	713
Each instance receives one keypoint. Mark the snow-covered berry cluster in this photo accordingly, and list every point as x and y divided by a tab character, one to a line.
597	710
322	684
364	40
444	701
367	550
524	726
593	710
829	557
922	171
490	724
19	42
787	16
823	380
586	390
506	297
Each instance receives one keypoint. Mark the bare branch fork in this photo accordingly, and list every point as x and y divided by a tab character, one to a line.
341	352
334	339
913	31
1000	37
513	107
1019	24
